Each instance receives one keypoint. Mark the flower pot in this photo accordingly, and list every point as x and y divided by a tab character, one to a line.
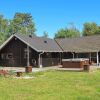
28	69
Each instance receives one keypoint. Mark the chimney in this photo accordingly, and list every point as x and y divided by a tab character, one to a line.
30	36
45	41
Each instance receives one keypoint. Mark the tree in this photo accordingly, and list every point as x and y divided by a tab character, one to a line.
61	33
98	31
3	28
45	34
3	37
90	29
68	33
22	23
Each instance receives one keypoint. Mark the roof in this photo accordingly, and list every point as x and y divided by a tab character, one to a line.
40	44
81	44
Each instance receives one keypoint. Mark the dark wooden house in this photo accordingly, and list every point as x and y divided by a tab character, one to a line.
21	50
82	47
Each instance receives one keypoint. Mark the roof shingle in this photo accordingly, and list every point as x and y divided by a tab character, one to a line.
40	44
82	44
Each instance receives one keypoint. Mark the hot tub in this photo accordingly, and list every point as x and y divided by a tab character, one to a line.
75	63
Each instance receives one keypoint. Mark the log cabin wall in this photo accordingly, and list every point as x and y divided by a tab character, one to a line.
14	54
50	59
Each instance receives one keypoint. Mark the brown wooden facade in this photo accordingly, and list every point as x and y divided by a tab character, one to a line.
14	54
21	51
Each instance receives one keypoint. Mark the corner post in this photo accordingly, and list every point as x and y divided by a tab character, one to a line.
97	59
28	63
60	58
73	55
90	56
76	55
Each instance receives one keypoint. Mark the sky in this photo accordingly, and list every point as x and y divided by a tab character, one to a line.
52	15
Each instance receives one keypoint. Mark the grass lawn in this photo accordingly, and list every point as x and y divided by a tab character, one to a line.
52	85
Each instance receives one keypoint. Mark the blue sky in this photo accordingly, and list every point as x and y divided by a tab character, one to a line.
51	15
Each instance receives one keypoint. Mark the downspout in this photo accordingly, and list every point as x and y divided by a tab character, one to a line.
40	64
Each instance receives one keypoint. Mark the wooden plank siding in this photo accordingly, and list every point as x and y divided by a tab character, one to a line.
17	49
50	59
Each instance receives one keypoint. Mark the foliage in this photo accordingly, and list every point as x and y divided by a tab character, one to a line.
98	30
52	85
45	34
91	29
3	28
68	33
22	23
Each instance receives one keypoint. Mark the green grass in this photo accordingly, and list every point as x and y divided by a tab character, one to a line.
52	85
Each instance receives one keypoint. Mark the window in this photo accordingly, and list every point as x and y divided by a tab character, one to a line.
6	56
9	56
94	57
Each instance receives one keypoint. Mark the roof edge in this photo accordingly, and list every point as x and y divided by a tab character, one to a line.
4	44
15	35
11	37
27	43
